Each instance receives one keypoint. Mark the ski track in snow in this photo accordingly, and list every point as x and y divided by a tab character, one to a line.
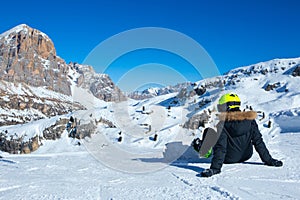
225	194
182	180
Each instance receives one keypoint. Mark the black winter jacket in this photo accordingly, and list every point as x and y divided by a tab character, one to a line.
238	132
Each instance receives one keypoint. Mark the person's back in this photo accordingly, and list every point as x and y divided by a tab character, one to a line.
238	132
238	128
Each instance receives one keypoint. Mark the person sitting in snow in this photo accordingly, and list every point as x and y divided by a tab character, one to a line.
238	134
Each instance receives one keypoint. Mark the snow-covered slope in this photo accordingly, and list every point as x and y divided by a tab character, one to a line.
125	160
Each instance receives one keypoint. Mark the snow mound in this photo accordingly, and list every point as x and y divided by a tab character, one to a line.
288	120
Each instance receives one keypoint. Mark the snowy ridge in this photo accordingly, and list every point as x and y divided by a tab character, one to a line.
156	91
269	66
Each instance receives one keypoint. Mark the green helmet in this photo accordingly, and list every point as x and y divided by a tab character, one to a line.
228	102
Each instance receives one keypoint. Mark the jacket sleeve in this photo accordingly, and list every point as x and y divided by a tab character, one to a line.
259	144
219	151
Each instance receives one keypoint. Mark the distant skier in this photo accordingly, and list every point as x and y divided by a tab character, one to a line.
238	132
71	127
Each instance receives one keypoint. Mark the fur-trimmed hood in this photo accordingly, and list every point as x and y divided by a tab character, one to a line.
237	116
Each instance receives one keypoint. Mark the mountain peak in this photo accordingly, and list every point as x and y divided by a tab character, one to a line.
15	29
23	38
28	56
23	29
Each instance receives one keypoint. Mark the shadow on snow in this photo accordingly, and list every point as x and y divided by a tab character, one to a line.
179	155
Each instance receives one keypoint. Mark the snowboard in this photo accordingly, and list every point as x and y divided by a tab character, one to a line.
204	146
210	138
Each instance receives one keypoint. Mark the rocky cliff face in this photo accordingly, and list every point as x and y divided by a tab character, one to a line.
35	83
28	56
100	85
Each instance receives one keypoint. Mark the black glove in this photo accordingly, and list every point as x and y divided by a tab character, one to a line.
210	172
196	144
275	163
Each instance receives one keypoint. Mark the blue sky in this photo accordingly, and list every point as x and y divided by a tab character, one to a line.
233	32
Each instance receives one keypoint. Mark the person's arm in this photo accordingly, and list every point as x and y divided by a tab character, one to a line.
261	148
219	152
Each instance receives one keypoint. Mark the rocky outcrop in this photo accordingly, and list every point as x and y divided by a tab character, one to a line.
56	107
14	144
56	130
104	88
296	71
21	103
186	93
28	56
197	121
270	87
100	85
86	130
17	145
106	122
